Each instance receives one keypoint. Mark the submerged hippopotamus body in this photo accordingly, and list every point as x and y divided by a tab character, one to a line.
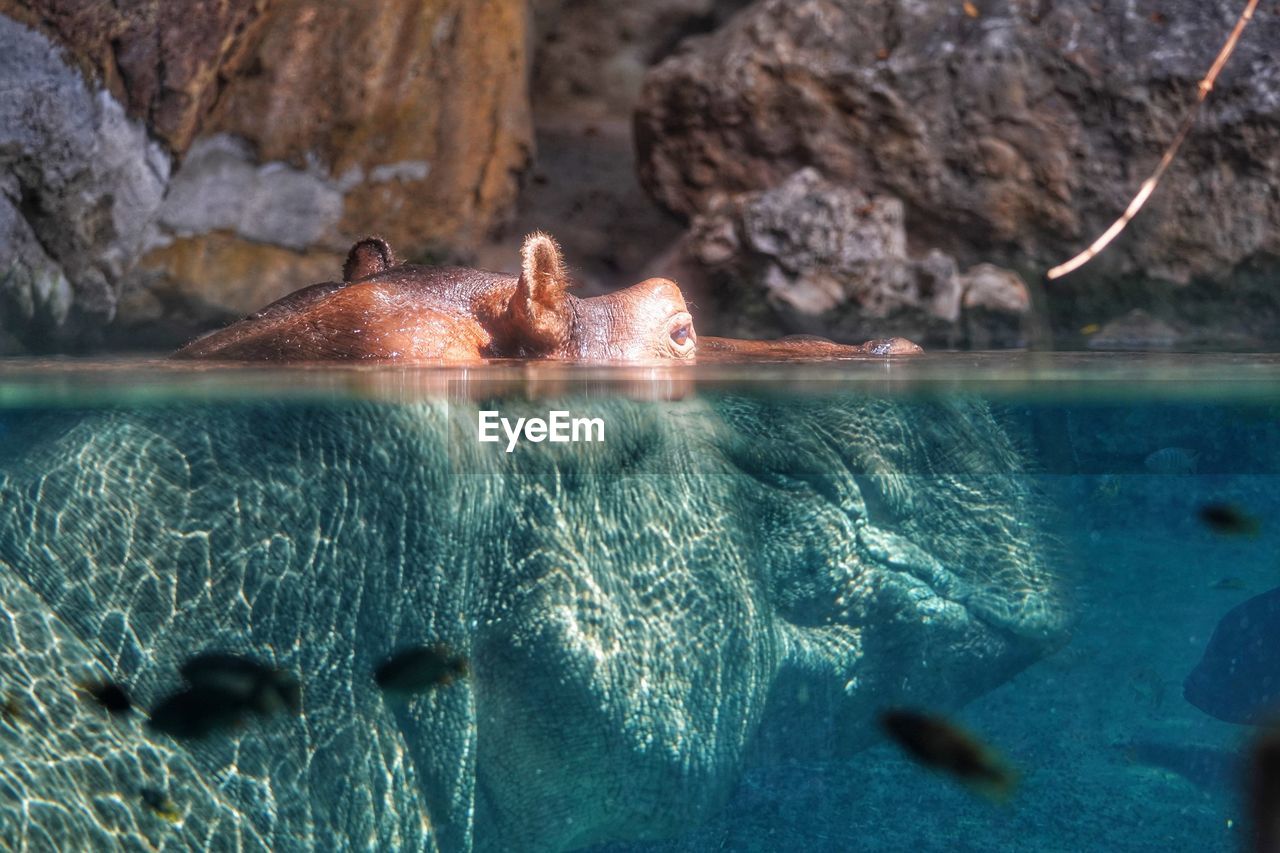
385	310
732	581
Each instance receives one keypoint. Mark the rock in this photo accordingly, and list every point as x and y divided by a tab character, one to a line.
811	256
1135	330
304	126
80	182
418	110
220	187
593	55
997	307
167	63
177	291
992	288
348	121
1014	135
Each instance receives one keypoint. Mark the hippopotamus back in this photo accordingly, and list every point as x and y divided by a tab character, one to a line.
1238	679
386	310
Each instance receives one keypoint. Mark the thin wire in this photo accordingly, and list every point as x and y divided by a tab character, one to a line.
1148	186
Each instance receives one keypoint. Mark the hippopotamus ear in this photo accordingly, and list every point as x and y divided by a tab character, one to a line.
540	306
370	256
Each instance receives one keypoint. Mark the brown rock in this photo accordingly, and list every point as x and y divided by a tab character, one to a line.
419	109
421	105
592	55
1019	134
993	288
996	305
299	125
810	256
196	282
589	60
166	62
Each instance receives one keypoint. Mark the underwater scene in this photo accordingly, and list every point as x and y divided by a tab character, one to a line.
665	427
975	601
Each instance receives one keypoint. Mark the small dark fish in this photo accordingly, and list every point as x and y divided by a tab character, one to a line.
260	687
13	710
160	805
936	743
196	712
1229	520
109	695
1238	678
1264	792
420	668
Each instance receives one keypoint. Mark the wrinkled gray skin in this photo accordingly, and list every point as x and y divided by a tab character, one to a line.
725	580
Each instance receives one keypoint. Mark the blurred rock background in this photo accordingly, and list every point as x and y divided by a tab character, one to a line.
849	168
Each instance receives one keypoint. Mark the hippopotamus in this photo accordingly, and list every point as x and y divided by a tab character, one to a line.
387	310
730	580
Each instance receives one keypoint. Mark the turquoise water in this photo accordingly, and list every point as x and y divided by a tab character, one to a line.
679	638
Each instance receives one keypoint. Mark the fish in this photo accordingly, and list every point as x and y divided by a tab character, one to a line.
1229	520
1172	461
110	695
13	710
1264	792
196	712
262	688
222	690
938	744
419	668
160	805
1238	678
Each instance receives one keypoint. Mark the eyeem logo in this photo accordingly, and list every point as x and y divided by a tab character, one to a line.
558	427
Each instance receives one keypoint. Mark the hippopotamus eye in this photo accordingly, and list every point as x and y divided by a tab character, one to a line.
680	334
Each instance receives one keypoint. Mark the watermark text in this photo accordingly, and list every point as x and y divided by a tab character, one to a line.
558	426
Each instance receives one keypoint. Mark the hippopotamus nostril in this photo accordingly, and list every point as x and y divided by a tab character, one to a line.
892	346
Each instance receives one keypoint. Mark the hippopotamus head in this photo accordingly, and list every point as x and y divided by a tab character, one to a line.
645	320
386	310
383	309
